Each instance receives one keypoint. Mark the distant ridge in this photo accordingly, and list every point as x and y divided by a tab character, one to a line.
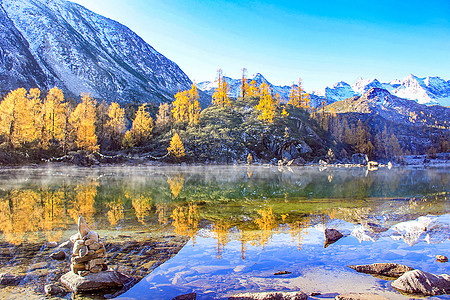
427	90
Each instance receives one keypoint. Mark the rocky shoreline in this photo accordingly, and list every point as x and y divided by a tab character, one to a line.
30	271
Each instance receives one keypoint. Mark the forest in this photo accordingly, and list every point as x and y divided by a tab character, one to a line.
259	126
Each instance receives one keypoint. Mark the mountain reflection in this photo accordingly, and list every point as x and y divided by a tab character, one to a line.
246	204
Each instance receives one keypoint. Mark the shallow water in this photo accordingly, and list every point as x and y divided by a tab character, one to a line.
244	223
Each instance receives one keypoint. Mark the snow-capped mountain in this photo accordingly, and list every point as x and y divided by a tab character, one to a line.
337	92
428	90
46	43
380	102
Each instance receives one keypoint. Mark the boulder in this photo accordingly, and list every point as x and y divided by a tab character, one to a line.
360	296
423	283
383	269
93	281
58	255
54	289
270	296
9	279
331	236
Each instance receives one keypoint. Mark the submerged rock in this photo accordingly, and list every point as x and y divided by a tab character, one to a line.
270	296
54	289
10	279
360	296
424	283
93	281
331	236
382	269
58	255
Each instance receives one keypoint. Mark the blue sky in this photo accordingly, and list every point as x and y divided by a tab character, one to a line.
321	42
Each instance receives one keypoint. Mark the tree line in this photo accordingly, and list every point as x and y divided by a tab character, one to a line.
256	125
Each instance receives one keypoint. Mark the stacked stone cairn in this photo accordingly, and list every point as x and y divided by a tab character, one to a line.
88	253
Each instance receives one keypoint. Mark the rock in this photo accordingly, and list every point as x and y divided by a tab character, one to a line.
51	244
282	273
270	296
75	237
77	246
376	228
424	283
90	238
53	289
83	228
58	255
331	236
9	279
360	296
36	266
67	244
383	269
93	281
441	258
94	246
190	296
83	251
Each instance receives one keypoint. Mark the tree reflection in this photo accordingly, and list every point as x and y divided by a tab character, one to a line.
176	184
142	206
84	202
185	220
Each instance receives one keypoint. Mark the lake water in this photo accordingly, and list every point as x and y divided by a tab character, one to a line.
244	223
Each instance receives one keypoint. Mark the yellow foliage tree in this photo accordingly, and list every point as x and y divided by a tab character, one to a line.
194	105
180	107
11	116
142	127
253	89
220	96
83	120
267	104
54	110
176	147
116	122
298	97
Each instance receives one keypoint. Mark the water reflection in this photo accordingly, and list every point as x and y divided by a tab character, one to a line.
246	204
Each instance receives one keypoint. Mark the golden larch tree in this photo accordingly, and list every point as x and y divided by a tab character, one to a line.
12	117
298	97
267	104
142	127
220	96
253	89
83	121
194	105
54	116
180	107
116	123
176	148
